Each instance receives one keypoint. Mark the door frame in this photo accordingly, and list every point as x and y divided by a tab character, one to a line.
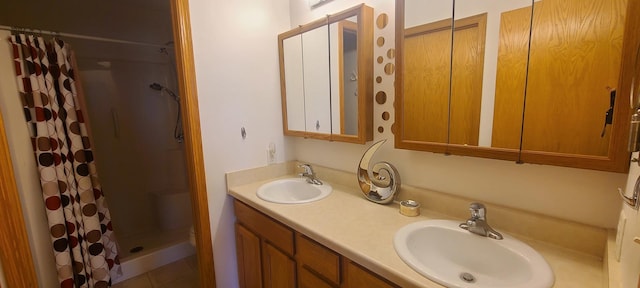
185	66
15	252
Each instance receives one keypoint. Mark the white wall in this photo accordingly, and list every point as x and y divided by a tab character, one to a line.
580	195
236	58
630	251
25	169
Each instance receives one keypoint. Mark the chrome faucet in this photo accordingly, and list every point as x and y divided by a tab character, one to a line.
309	174
477	224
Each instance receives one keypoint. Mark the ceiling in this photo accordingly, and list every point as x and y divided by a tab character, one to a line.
132	20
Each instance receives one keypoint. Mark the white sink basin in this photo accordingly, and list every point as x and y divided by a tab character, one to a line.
293	191
446	253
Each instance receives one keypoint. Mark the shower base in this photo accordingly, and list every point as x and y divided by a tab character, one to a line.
159	249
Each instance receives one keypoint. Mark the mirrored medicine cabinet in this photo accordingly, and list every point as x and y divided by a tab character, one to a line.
544	82
326	77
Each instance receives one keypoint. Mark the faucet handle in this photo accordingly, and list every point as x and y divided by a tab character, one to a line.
308	172
307	169
478	210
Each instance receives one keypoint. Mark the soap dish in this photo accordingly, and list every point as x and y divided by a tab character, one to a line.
409	208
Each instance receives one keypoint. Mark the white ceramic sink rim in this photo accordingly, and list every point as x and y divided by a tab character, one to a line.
293	191
441	251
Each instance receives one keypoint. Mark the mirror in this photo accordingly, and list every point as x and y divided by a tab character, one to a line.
316	82
292	62
489	68
512	80
326	74
426	62
305	69
343	40
453	102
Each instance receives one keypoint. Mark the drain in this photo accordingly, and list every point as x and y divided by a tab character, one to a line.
136	249
467	277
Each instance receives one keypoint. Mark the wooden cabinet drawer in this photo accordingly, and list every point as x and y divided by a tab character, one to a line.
318	258
277	234
306	279
357	276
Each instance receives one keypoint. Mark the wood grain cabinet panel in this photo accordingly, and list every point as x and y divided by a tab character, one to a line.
318	258
265	227
248	253
264	248
511	76
278	269
356	277
306	279
572	65
437	106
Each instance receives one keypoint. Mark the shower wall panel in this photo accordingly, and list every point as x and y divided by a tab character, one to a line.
132	127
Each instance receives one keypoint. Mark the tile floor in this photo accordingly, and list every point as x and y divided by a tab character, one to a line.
180	274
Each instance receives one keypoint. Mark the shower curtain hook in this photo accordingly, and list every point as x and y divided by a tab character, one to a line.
16	30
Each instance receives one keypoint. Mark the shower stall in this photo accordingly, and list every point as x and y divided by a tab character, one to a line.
127	72
134	118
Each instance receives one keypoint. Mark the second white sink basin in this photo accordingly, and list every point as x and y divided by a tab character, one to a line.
454	257
293	191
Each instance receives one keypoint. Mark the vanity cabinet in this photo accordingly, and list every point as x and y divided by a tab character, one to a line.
271	254
326	77
265	250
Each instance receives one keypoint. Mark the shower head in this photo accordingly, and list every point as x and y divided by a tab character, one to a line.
156	86
177	131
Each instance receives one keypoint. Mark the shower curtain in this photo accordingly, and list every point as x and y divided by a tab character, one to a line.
83	241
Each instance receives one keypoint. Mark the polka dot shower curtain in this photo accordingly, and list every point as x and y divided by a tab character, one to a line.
79	221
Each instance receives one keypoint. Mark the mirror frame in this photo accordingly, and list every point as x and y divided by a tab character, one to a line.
365	74
617	159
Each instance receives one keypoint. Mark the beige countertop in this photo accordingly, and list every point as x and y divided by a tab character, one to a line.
363	232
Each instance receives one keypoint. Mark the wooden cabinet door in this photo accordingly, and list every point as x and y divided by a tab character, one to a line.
356	277
306	279
248	253
279	270
575	58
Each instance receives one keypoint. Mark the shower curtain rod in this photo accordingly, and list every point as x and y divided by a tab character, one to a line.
37	31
